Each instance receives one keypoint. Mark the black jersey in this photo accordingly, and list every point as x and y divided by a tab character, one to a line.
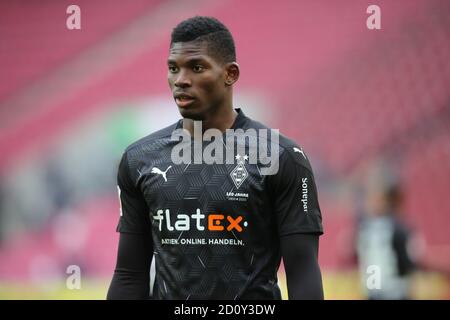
216	228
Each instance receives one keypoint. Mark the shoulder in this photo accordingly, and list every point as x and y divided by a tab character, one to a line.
142	150
401	229
293	152
290	151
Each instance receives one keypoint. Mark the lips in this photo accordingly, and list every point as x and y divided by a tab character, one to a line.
183	100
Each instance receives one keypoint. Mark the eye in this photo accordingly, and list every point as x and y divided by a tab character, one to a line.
198	68
173	69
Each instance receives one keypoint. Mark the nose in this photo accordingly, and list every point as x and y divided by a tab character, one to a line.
182	80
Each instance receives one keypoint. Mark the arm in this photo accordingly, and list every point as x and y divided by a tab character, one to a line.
131	279
401	244
299	219
132	272
304	280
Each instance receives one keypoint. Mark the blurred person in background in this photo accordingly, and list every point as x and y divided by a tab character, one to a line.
384	241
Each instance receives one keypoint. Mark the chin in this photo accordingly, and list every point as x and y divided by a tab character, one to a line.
191	114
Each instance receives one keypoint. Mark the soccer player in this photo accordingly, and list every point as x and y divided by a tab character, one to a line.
384	240
216	231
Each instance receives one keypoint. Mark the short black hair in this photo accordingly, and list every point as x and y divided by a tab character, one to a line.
218	38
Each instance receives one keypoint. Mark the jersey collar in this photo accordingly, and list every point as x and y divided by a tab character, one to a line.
239	122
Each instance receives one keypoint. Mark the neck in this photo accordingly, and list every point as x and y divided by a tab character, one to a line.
221	119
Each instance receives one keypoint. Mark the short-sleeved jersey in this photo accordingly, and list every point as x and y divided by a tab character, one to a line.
216	228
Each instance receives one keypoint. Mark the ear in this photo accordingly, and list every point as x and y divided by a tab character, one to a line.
231	73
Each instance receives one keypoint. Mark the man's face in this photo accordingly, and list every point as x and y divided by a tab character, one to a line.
197	79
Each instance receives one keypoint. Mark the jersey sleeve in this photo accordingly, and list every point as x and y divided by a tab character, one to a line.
295	200
134	213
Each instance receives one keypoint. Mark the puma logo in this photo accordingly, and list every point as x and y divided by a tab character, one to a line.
300	151
163	173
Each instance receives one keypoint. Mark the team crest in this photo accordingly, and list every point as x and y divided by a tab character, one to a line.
239	173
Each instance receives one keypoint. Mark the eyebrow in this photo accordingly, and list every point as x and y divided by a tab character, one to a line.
189	61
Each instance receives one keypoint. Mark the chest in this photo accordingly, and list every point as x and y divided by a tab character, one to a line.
215	186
